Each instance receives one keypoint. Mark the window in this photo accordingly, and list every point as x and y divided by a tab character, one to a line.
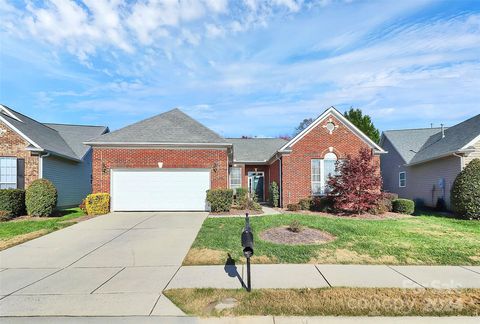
235	178
402	179
322	169
8	173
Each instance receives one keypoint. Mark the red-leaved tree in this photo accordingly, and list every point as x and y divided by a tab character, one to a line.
357	186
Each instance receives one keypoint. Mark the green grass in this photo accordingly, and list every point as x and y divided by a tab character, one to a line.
330	302
12	229
413	240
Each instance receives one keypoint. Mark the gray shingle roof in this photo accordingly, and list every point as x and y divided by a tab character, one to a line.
75	135
65	141
172	126
456	137
408	142
420	145
255	149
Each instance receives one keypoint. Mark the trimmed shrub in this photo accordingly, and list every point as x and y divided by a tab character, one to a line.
322	204
5	215
241	196
13	201
274	194
305	203
220	200
403	206
293	207
465	193
295	226
97	203
41	198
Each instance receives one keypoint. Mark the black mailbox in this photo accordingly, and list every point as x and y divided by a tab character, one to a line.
247	244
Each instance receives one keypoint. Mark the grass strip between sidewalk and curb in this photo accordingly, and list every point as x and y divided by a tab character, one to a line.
330	302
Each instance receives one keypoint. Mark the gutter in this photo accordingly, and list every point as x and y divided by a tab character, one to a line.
157	144
452	153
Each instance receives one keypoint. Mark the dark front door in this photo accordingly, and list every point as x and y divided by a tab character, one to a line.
256	184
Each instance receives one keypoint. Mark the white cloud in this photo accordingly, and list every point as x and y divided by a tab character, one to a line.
214	31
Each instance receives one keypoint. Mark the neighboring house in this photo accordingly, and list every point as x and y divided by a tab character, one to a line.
30	150
423	163
168	161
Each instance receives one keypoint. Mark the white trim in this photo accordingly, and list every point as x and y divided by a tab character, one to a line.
158	144
400	181
471	143
9	113
25	137
342	119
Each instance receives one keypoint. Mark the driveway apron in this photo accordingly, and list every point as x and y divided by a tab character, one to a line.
117	264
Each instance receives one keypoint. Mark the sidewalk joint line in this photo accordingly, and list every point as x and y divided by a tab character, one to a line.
324	278
102	245
155	304
463	267
114	275
407	277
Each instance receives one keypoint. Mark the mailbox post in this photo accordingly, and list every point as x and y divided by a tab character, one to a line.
247	244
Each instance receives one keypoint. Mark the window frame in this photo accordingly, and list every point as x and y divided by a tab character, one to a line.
400	179
235	186
322	183
8	185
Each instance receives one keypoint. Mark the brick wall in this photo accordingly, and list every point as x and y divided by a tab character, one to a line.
296	166
13	145
105	159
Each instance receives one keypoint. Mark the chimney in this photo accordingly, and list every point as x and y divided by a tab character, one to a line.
443	131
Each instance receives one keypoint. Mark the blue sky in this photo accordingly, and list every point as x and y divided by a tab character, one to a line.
243	67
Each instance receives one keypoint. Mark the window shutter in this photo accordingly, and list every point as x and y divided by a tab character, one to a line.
20	173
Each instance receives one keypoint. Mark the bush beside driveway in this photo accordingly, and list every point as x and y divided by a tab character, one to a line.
424	239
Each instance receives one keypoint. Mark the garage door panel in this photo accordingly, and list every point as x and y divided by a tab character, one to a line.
149	190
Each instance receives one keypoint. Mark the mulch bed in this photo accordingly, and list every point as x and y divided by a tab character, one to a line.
388	215
283	235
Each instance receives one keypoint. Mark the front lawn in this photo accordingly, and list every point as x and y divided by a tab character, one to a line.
412	240
20	230
330	302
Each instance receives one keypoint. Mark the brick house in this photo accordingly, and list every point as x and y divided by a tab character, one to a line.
167	162
30	150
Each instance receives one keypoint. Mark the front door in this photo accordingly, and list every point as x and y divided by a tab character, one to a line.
256	184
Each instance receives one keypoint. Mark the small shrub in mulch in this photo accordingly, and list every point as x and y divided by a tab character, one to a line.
283	235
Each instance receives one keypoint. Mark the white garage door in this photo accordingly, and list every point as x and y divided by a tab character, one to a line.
159	189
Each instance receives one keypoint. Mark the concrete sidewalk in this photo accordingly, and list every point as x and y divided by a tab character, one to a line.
325	275
248	320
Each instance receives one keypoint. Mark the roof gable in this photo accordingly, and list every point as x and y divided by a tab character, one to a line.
43	137
339	116
171	127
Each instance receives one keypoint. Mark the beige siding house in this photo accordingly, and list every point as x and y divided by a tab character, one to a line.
422	164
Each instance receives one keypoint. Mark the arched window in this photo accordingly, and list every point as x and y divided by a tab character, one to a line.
321	171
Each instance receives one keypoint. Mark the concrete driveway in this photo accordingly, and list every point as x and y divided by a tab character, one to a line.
112	265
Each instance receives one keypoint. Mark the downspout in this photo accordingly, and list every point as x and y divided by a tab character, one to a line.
40	164
462	160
